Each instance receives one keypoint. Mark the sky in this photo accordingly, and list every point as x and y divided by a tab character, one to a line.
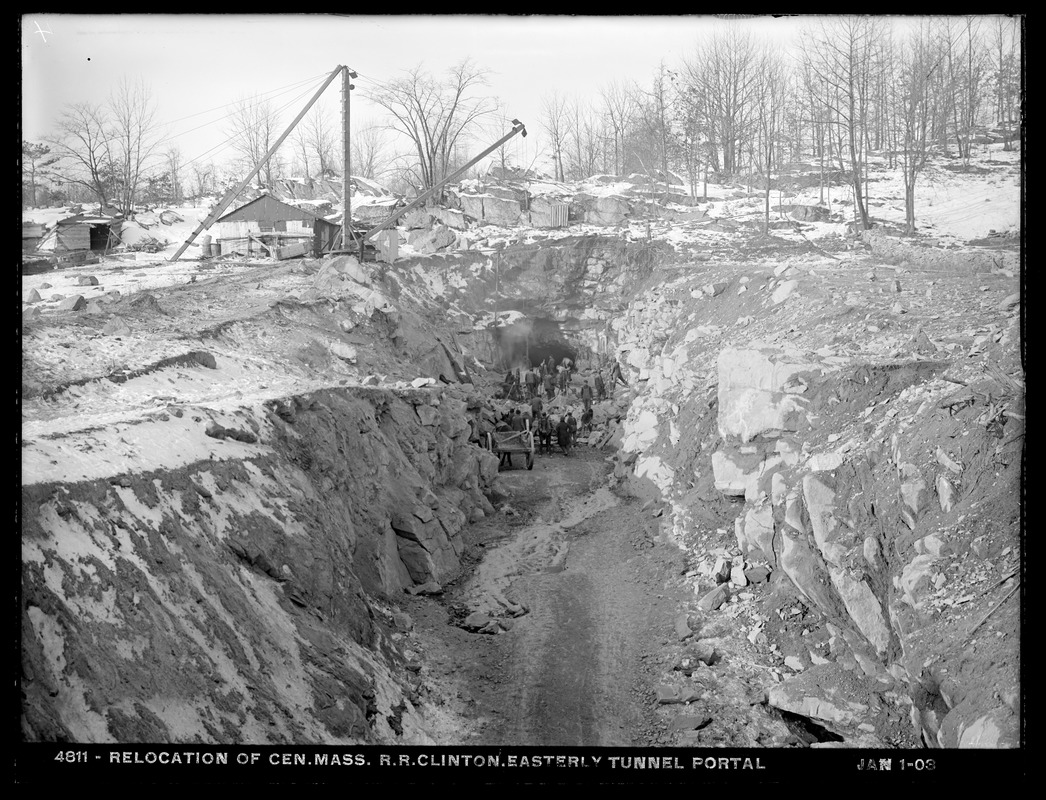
196	65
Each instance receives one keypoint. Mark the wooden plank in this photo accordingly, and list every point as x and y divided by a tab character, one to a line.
291	251
73	237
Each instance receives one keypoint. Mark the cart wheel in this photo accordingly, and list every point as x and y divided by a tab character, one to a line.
530	461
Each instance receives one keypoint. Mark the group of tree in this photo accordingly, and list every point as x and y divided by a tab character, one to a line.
742	108
103	151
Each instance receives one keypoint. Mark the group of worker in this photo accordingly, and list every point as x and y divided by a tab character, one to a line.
543	426
524	385
532	387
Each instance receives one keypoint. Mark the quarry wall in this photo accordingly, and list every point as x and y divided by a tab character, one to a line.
246	599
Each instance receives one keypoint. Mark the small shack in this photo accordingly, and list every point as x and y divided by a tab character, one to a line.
269	226
82	234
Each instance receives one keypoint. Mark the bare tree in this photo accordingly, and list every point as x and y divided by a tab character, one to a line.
321	140
688	120
619	107
253	130
301	149
554	121
174	165
135	139
1006	73
203	177
967	74
771	93
842	54
370	152
658	122
436	115
83	146
725	71
920	59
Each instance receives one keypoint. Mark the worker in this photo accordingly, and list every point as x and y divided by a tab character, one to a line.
536	405
615	376
586	395
550	388
532	383
518	423
572	426
545	433
563	435
601	388
586	421
564	380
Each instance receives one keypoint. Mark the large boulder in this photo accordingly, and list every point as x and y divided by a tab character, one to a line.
608	210
489	208
501	211
431	241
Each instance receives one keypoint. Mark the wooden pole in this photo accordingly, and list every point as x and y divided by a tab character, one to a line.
220	208
346	199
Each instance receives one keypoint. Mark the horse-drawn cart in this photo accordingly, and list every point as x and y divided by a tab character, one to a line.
511	443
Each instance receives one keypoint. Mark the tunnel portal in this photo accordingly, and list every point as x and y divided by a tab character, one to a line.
531	341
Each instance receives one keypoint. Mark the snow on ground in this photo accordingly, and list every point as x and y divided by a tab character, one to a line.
147	272
605	189
952	206
549	189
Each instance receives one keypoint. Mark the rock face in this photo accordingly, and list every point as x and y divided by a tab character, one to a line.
246	584
604	210
847	476
489	208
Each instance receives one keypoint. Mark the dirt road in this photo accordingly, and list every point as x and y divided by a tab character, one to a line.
600	586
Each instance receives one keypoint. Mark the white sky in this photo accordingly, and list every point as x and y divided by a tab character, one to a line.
196	63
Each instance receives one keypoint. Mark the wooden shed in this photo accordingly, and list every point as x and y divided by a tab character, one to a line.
82	233
31	236
267	225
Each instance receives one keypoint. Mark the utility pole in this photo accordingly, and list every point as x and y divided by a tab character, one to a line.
346	198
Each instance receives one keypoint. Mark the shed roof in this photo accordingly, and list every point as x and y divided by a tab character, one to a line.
267	207
88	219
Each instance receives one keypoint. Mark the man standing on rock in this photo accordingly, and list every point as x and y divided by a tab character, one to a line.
601	388
586	395
564	381
572	427
550	389
616	376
